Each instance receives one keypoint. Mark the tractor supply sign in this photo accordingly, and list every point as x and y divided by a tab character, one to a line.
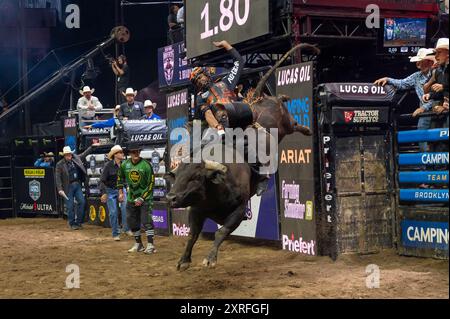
426	235
35	191
296	162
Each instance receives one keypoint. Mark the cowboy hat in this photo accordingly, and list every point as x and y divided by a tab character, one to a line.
114	150
49	154
423	54
86	89
129	91
67	150
149	103
117	108
442	43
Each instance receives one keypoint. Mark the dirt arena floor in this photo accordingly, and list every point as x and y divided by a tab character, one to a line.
34	254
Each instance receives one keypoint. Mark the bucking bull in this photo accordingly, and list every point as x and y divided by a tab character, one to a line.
221	191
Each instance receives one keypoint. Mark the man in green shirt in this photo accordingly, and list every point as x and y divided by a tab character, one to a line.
137	173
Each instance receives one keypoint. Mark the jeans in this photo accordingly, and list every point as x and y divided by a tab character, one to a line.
424	124
75	192
113	199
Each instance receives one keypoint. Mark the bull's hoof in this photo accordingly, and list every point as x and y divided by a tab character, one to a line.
209	263
183	266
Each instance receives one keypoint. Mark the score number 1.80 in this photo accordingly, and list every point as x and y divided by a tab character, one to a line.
231	13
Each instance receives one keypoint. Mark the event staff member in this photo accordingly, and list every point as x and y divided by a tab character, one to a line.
131	109
87	105
424	61
122	71
70	174
137	173
110	194
108	123
210	93
149	107
46	161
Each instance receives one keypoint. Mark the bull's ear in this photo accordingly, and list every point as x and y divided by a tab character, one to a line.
215	176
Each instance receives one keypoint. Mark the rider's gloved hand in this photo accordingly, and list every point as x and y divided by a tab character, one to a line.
220	130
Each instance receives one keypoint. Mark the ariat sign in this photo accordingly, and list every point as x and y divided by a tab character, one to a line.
423	234
299	245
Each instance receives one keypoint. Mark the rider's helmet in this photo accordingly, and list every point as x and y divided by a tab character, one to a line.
197	72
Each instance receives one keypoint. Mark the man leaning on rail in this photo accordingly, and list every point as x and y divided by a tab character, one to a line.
424	61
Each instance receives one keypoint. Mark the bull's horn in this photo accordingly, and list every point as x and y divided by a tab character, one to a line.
215	166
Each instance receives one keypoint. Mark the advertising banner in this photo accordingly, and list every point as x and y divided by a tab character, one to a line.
261	217
429	177
180	222
438	134
423	158
296	163
424	195
35	191
425	234
177	117
360	115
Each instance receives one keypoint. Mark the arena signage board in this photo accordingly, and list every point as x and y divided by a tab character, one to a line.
296	163
261	217
180	222
173	68
360	115
234	20
425	234
177	117
34	191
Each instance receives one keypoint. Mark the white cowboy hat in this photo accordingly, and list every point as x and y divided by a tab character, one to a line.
86	89
114	150
442	43
423	54
117	108
67	150
130	91
149	103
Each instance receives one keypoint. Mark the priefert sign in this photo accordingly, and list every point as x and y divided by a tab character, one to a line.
299	245
180	230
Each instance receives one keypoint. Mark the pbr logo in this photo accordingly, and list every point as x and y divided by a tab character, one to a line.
35	190
168	62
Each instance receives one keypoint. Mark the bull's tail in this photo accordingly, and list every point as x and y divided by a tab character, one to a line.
262	82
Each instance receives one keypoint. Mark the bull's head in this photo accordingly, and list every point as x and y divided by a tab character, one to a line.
189	182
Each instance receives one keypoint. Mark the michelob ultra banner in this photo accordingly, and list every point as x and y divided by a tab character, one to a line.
438	134
424	195
429	177
423	159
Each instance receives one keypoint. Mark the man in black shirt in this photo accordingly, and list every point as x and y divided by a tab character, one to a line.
175	34
131	109
122	71
110	193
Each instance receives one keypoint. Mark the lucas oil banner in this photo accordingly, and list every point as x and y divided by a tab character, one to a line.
35	191
296	163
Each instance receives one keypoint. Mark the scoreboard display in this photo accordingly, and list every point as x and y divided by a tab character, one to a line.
233	20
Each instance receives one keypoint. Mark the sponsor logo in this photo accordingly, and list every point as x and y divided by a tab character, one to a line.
135	176
36	207
177	99
300	110
348	116
248	210
168	63
362	116
158	219
70	123
430	195
438	158
92	213
102	214
328	180
423	234
298	245
301	156
146	137
34	190
35	173
437	177
291	192
361	89
295	75
180	230
309	210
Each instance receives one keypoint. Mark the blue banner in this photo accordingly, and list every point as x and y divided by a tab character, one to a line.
423	159
428	177
423	234
424	195
438	134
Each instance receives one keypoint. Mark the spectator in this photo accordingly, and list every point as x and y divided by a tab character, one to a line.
104	124
174	27
87	105
424	61
46	161
122	71
131	109
70	174
149	107
110	194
